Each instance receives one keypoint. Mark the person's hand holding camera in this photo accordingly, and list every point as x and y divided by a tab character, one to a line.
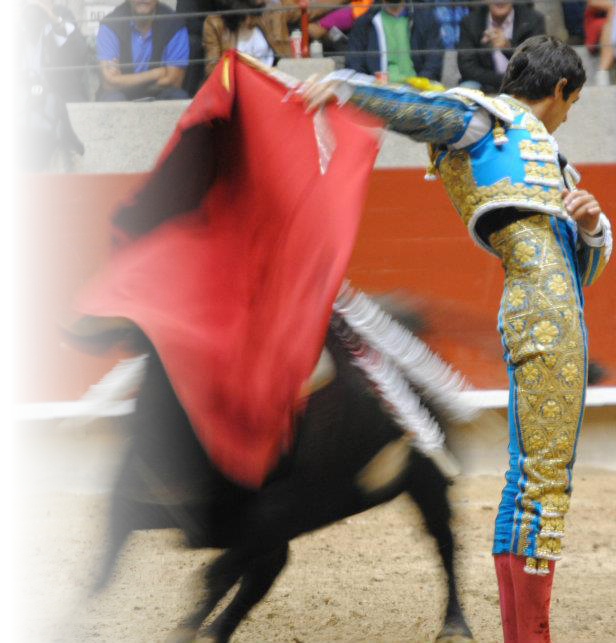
33	13
46	7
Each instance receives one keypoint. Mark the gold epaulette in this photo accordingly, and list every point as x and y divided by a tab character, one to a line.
493	104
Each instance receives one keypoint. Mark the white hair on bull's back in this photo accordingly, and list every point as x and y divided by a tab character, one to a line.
396	363
435	379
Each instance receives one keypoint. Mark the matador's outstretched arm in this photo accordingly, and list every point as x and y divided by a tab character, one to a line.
428	117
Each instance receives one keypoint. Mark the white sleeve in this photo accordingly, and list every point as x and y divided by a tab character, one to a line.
479	125
69	27
600	236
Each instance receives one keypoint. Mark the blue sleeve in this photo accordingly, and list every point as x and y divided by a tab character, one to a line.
430	117
592	261
175	54
107	44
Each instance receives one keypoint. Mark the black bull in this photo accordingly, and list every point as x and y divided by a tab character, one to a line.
166	480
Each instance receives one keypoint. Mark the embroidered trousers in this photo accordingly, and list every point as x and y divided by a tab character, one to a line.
544	338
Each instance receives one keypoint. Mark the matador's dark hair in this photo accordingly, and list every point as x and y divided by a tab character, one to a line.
538	64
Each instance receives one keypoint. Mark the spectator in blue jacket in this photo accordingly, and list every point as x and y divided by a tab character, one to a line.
392	40
142	57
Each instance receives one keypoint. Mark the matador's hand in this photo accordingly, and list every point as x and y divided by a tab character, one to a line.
316	93
583	208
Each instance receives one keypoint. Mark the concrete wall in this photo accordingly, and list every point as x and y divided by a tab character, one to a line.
127	137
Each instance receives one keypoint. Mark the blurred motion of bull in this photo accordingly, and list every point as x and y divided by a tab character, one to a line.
166	480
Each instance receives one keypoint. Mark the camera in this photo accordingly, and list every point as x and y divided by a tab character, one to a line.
32	14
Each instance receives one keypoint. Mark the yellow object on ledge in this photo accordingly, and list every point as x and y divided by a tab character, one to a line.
424	84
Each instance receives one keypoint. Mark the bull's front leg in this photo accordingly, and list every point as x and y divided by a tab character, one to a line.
217	579
259	575
120	524
428	488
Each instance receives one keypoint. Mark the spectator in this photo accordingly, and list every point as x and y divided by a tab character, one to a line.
488	36
595	16
394	40
49	37
573	15
608	43
141	57
333	26
262	34
194	24
449	16
266	21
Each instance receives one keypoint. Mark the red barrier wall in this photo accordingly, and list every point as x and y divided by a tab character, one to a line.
410	238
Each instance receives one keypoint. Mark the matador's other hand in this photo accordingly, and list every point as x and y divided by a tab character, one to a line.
583	208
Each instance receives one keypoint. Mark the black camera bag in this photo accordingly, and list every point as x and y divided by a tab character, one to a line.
34	116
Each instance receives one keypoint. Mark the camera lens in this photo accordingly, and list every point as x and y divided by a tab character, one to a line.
32	14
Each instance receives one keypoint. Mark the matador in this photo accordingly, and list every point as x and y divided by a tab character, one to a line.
517	196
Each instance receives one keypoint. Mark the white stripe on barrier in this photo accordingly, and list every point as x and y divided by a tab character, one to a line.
482	399
498	399
78	408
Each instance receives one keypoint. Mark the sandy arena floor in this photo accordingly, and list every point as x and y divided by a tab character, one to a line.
373	578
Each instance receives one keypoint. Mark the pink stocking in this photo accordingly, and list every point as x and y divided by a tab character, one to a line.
532	602
506	596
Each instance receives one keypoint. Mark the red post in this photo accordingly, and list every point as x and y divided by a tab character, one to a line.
303	5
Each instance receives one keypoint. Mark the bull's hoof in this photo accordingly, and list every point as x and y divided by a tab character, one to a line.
182	635
456	632
211	635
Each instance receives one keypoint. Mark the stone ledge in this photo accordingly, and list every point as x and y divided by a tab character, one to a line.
127	137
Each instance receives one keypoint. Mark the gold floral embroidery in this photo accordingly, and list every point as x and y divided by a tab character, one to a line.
531	374
551	409
532	399
549	360
558	285
545	332
517	297
524	252
569	372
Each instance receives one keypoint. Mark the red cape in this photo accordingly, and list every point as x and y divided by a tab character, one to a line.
237	245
